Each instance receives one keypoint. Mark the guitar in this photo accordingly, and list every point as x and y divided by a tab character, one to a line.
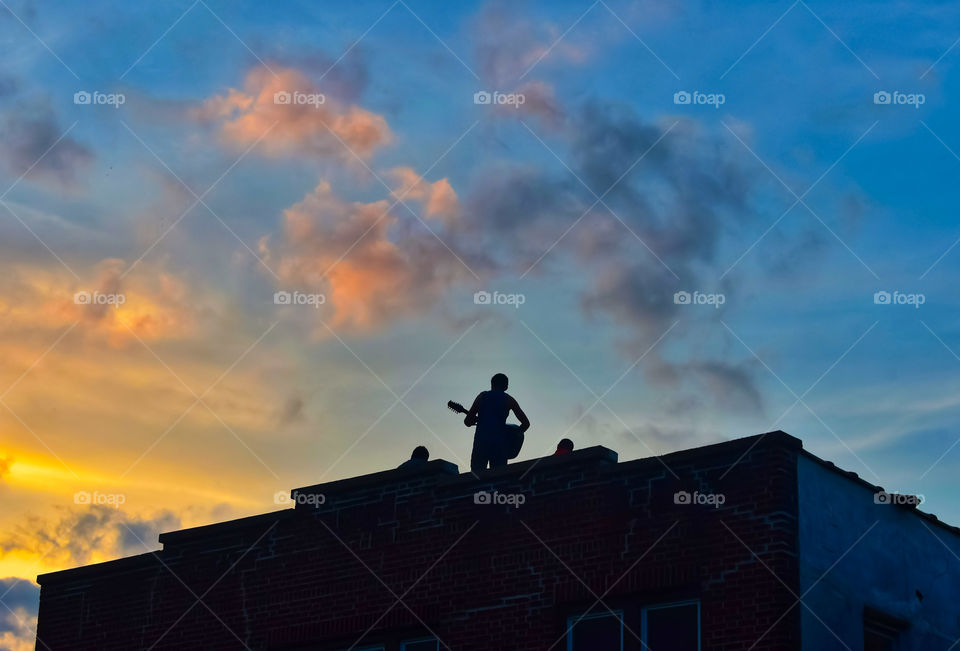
513	435
456	407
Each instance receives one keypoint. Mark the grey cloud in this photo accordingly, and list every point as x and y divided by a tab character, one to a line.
514	212
508	43
18	621
29	132
687	193
292	410
724	384
76	535
18	593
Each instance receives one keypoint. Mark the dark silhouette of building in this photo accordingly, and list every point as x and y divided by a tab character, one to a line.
748	544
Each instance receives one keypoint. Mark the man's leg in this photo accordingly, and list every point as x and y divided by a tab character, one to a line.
478	456
497	453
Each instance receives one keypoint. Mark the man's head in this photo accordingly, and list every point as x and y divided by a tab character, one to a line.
420	452
499	382
564	446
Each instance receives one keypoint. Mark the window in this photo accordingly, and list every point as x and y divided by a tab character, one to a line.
424	644
595	632
878	640
672	627
881	632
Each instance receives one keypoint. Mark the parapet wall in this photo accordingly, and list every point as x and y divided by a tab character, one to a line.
424	552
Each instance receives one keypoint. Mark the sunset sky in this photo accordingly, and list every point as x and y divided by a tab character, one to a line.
186	192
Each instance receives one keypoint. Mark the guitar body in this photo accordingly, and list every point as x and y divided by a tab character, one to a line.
512	441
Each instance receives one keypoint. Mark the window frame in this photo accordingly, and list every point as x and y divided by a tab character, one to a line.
404	643
644	630
878	622
572	621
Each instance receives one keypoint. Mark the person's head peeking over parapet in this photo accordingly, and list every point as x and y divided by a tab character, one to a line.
419	457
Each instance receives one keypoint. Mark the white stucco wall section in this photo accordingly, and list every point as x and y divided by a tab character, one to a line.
897	554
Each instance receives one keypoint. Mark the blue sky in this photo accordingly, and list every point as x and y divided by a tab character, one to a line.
794	198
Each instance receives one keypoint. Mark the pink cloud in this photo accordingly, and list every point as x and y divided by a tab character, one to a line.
296	116
438	198
345	250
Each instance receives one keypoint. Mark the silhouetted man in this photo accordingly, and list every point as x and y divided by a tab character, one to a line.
565	446
489	413
419	458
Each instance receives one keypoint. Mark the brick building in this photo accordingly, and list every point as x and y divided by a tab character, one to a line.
747	544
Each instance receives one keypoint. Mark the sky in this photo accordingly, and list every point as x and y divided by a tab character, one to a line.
246	247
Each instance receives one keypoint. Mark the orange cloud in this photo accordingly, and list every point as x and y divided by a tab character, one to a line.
295	115
345	249
439	199
155	306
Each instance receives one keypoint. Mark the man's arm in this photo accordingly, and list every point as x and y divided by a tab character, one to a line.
524	421
471	418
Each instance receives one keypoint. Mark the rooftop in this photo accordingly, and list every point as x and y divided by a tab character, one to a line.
441	474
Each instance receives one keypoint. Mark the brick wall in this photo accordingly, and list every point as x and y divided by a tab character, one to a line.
480	576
